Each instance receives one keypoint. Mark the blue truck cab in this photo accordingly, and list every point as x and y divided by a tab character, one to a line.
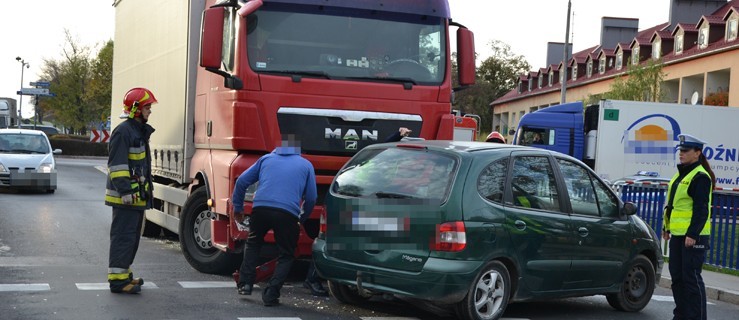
560	128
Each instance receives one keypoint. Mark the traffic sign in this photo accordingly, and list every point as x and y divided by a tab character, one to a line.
99	135
43	84
34	91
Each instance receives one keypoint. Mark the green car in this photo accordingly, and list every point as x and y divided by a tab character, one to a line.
473	226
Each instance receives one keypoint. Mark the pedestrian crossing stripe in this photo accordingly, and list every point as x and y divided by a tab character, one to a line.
25	287
207	284
106	286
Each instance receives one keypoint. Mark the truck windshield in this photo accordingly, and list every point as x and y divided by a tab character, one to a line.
335	45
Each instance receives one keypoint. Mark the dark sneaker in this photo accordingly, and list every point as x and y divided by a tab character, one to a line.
124	287
244	289
315	288
270	297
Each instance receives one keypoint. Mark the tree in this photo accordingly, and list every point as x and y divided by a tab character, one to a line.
639	83
81	84
496	76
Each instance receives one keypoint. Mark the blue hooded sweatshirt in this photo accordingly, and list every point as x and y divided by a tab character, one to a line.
285	179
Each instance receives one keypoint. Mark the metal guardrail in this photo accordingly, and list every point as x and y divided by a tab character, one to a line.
650	201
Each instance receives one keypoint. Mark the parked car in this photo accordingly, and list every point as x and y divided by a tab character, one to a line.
27	160
473	226
49	130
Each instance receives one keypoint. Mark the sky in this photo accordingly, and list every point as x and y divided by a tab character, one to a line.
34	30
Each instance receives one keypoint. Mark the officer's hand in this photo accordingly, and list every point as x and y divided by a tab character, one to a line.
665	235
129	198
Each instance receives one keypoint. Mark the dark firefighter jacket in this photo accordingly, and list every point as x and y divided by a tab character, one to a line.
129	165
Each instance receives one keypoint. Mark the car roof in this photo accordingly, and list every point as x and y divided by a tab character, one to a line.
461	146
22	131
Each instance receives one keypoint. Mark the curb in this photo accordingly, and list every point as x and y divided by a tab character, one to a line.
720	294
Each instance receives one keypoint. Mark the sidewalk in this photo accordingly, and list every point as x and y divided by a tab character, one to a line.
719	286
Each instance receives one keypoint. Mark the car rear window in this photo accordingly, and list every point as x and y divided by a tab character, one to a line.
400	173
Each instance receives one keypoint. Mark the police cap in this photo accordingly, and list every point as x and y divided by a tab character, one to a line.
690	142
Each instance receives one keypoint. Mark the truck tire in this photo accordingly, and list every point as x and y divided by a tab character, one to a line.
195	238
637	286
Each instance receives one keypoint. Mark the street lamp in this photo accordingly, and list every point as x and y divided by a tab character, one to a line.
20	100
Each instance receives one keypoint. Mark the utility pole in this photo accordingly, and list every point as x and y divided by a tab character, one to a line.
20	100
565	57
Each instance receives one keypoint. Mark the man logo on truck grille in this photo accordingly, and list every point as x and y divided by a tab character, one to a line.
350	134
351	145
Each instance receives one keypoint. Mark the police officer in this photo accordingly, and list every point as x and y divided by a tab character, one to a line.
687	225
129	187
285	179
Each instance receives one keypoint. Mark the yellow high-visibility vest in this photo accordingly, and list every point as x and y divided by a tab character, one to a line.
682	205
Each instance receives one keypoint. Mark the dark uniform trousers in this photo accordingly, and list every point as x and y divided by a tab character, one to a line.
124	242
687	282
286	231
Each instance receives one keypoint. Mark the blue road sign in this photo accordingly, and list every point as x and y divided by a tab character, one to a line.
43	84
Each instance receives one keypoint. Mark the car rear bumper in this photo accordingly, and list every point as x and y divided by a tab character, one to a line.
440	281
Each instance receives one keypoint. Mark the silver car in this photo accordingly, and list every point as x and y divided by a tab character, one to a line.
27	160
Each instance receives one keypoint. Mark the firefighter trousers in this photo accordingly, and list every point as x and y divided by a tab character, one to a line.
125	234
688	288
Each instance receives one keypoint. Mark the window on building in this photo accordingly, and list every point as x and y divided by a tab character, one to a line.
520	86
731	29
551	78
656	49
703	37
679	43
602	65
574	72
635	55
619	60
541	81
589	70
531	84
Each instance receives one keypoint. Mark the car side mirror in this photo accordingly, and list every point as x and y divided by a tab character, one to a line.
57	151
628	209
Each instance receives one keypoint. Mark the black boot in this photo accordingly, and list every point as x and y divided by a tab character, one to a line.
270	296
245	289
124	286
316	288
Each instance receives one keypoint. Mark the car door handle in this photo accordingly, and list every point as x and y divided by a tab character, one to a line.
583	231
520	225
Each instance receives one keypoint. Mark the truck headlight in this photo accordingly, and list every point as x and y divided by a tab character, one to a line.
2	168
46	168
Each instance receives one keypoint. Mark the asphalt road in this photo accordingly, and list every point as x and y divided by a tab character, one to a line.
53	264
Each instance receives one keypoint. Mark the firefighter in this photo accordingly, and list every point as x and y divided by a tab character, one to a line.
495	136
129	187
687	225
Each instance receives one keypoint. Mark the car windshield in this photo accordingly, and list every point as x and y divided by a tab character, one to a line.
397	173
23	143
339	45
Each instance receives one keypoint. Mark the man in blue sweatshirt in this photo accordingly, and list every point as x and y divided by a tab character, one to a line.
285	180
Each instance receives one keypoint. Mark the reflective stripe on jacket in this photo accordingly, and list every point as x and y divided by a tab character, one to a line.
682	205
129	165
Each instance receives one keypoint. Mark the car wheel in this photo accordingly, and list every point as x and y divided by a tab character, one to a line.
636	288
488	296
346	294
196	241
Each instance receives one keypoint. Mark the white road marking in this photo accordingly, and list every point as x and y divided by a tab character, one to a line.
25	287
207	284
106	286
103	170
662	298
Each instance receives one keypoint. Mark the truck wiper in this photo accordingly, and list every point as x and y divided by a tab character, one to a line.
297	74
392	195
380	79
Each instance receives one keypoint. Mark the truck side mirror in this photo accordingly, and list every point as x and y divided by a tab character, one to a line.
211	40
211	46
466	56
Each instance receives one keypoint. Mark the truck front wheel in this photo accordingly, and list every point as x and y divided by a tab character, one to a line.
196	240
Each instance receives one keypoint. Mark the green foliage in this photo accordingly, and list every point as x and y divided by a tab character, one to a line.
639	83
496	76
82	85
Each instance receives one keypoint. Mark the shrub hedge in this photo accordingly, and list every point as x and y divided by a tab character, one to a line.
78	146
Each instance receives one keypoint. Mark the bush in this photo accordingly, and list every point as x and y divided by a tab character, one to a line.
720	98
78	146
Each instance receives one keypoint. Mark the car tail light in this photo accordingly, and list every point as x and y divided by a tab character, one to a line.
322	228
450	236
